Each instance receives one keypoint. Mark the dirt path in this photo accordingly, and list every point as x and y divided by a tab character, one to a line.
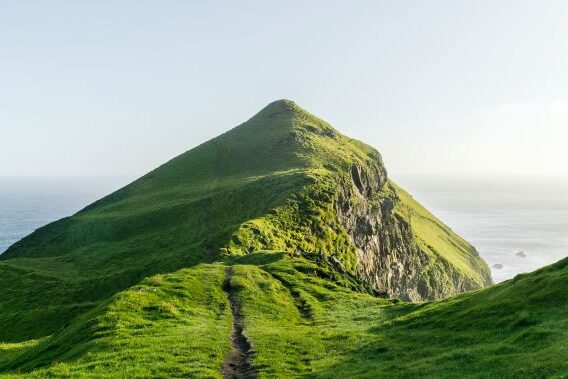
238	361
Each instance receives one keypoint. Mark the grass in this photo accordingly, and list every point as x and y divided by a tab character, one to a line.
132	283
304	320
173	325
425	226
450	255
498	332
268	184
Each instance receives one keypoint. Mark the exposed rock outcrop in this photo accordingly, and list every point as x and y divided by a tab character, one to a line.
388	255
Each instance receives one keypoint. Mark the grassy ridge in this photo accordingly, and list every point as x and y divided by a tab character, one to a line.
133	284
269	183
176	216
82	271
307	326
304	320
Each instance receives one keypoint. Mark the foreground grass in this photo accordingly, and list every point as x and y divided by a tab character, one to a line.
173	325
306	318
305	326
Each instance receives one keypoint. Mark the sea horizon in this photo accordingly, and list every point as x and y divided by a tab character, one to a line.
516	223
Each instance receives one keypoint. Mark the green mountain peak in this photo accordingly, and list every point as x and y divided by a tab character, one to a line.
280	106
285	234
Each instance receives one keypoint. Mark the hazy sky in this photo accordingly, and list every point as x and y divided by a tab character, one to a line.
439	87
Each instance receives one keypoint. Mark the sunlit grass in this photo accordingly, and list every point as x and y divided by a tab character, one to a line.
303	320
131	286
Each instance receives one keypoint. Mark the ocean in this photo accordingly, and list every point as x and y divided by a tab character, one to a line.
516	224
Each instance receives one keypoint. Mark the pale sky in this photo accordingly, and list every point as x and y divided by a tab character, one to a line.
115	88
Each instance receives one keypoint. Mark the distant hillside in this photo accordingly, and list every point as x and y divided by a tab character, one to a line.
285	188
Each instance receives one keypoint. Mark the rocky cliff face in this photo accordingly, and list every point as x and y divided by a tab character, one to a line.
388	254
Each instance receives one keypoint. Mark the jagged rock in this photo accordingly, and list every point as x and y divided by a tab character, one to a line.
388	256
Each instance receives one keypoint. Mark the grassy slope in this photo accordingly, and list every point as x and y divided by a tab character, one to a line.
437	239
517	328
304	320
173	325
266	184
176	216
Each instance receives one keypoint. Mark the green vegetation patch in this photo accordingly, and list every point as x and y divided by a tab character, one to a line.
133	285
174	325
304	318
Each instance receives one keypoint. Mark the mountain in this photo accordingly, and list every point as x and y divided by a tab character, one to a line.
280	234
284	180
